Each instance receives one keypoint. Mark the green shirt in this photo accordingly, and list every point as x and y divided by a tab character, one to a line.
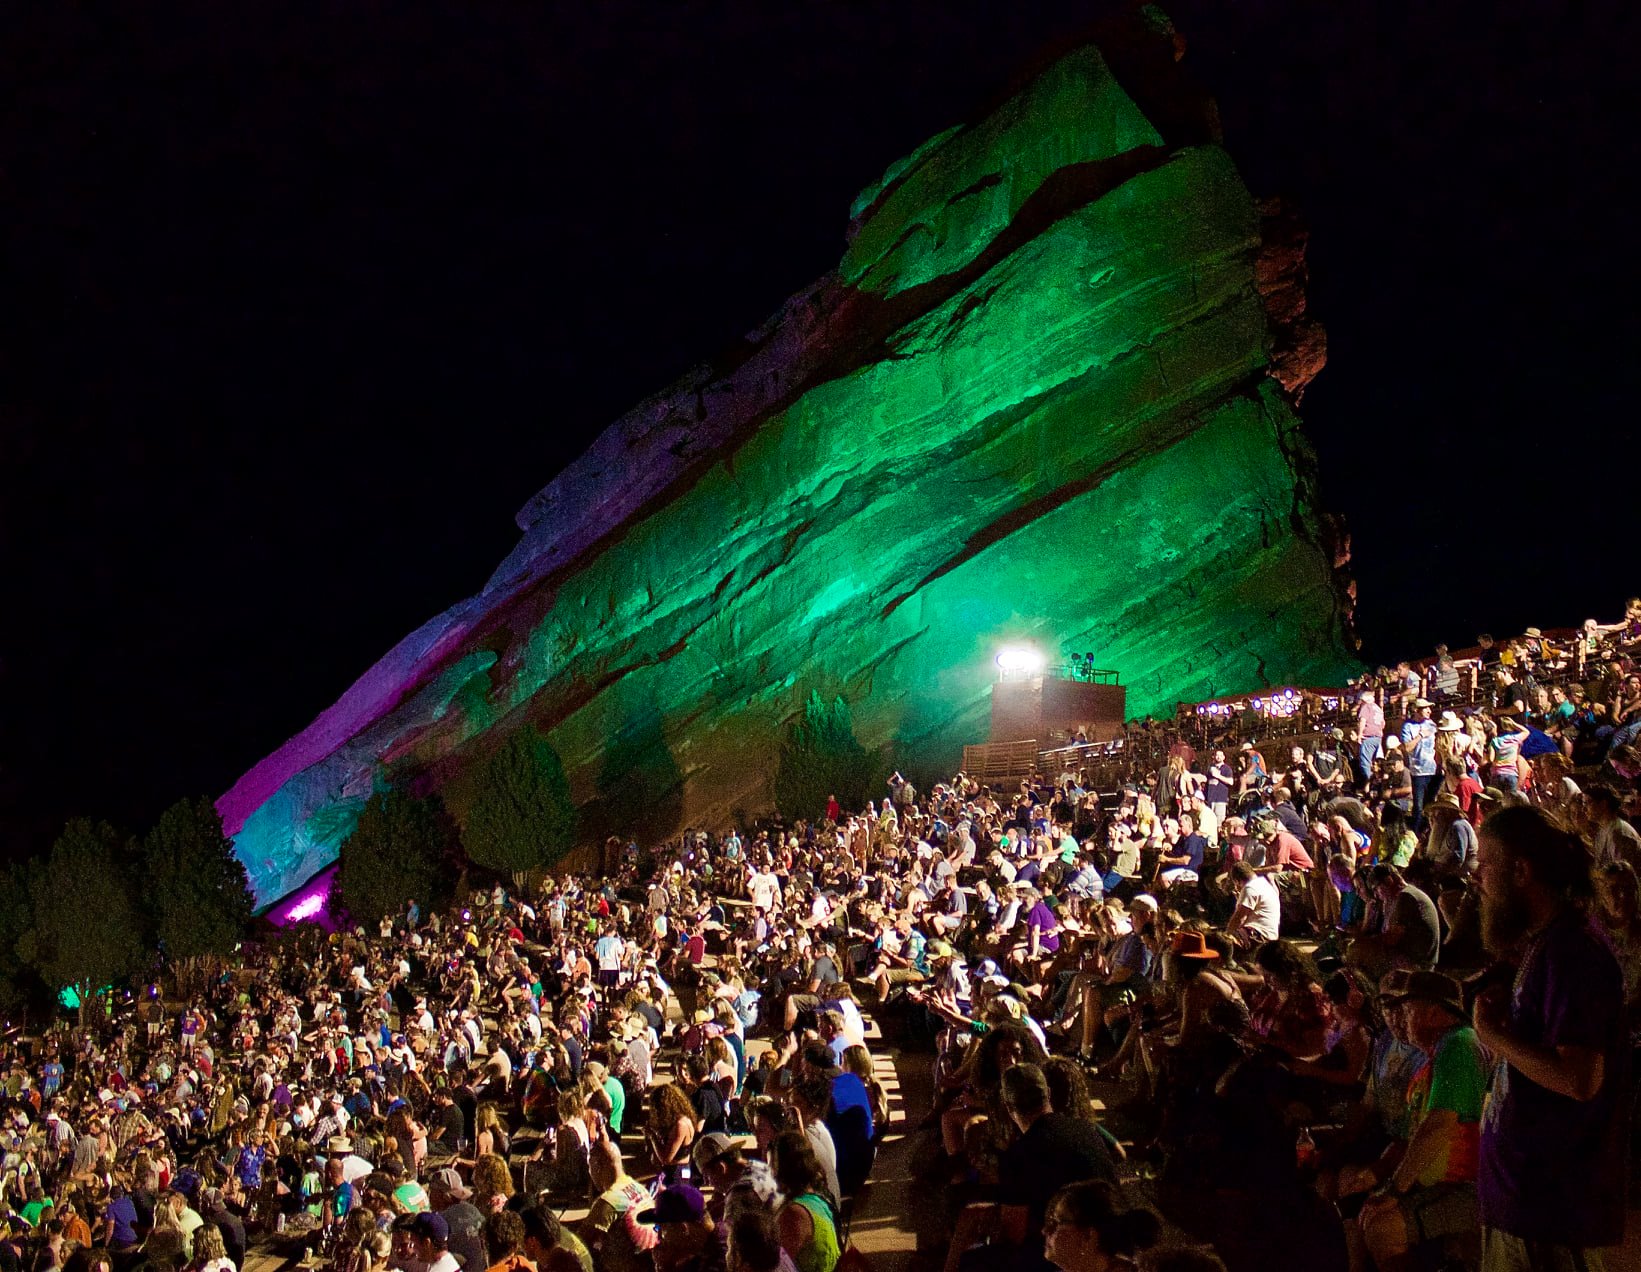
819	1253
618	1102
1453	1080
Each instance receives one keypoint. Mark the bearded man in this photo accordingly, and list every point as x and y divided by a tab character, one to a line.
1552	1171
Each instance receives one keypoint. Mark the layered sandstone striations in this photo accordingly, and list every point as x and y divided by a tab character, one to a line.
1041	397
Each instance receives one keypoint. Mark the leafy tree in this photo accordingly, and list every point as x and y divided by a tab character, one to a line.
521	817
16	985
395	854
639	784
820	758
196	890
87	926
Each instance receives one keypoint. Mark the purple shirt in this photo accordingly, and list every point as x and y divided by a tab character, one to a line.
1552	1168
1042	918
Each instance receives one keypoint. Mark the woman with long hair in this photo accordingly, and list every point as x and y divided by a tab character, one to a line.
210	1254
671	1127
1290	1011
1356	1025
1395	844
807	1222
409	1138
362	1247
980	1081
489	1133
492	1183
858	1061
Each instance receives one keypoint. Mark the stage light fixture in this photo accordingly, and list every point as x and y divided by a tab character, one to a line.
1023	660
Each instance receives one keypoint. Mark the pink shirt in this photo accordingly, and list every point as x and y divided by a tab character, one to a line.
1370	720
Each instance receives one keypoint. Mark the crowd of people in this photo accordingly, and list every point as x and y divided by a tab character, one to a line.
1362	1004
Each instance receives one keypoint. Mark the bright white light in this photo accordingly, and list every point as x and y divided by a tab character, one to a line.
306	908
1019	658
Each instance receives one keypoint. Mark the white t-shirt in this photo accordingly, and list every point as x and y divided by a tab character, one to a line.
826	1152
1259	895
609	950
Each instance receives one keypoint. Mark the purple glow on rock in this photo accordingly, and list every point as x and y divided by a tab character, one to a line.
310	905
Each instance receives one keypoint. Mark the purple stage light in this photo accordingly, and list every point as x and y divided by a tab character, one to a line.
310	905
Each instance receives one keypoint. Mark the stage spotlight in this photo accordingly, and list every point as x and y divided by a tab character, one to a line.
1019	660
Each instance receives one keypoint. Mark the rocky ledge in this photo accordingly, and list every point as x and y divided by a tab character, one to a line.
1047	394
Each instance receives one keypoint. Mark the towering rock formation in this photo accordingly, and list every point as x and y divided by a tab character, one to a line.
1041	397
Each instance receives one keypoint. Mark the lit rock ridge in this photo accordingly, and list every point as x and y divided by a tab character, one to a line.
1034	401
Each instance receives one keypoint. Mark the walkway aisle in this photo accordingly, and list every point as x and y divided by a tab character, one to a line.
882	1227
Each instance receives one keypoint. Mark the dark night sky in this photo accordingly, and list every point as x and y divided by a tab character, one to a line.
298	310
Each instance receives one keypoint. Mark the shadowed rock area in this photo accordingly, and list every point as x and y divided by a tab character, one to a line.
1047	395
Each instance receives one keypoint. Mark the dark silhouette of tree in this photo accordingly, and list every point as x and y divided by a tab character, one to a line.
640	787
17	983
395	855
86	930
820	758
521	817
196	891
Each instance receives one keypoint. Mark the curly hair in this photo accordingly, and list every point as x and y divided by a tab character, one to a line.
668	1103
987	1073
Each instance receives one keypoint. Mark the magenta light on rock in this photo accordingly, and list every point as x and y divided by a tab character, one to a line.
310	905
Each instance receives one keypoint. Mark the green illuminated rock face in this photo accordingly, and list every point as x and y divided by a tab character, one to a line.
1035	401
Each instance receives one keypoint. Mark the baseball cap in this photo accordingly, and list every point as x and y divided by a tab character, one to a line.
709	1148
427	1224
678	1204
448	1181
411	1197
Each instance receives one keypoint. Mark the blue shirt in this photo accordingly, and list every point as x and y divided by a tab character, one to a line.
1419	745
850	1123
122	1211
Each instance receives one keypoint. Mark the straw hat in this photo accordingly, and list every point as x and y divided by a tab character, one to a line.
1450	723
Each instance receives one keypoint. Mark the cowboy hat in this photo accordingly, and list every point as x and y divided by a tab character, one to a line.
1435	987
1188	944
1450	723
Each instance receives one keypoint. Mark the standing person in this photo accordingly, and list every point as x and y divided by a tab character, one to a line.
1326	768
191	1025
609	950
1560	1043
1504	752
1216	789
1370	734
1419	749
